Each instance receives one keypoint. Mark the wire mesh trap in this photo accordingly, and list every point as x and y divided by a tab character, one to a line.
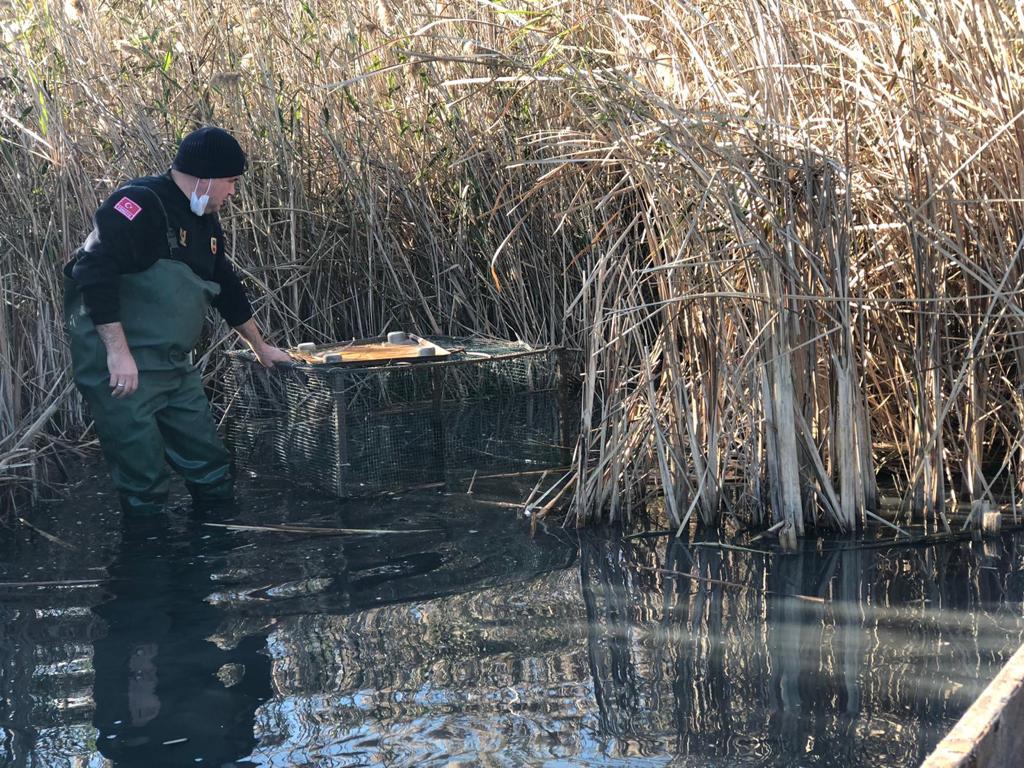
359	428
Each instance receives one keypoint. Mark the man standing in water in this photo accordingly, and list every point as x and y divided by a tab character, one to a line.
136	295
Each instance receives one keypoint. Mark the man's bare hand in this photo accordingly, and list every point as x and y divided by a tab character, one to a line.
269	355
124	374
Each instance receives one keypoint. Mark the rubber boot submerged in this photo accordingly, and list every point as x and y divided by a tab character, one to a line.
166	423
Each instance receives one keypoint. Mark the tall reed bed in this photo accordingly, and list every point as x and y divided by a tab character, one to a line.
828	226
787	237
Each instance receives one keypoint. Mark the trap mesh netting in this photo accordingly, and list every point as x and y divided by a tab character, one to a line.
356	430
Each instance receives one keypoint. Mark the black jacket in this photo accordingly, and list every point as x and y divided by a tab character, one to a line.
130	233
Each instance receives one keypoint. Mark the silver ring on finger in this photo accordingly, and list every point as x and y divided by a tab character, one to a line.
120	385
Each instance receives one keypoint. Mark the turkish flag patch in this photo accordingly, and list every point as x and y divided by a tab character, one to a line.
128	208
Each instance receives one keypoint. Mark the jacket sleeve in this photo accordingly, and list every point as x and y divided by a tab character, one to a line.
232	302
121	227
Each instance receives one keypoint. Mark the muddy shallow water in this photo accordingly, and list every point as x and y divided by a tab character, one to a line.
468	642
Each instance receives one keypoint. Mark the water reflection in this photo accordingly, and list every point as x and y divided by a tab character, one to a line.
473	644
848	657
164	693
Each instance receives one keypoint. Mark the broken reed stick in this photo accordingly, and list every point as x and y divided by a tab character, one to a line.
59	583
533	493
735	585
399	491
764	534
734	547
317	531
48	536
671	532
883	521
927	540
525	473
650	534
543	511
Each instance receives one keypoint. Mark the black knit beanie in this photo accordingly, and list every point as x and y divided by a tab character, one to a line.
210	153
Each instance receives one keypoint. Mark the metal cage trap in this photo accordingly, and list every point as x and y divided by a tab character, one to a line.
354	423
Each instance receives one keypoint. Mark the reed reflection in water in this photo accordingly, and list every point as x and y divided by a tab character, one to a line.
838	658
474	644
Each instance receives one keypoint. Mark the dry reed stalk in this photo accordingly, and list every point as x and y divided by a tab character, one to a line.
854	341
788	242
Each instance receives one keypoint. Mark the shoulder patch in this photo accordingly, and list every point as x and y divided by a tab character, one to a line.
128	208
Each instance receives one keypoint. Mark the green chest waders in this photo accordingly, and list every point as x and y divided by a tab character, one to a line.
167	420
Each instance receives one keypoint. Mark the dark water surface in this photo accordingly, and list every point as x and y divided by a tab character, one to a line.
470	643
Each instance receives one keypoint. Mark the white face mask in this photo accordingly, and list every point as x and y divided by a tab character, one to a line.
198	204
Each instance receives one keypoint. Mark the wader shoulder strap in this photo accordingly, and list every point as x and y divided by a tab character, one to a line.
169	233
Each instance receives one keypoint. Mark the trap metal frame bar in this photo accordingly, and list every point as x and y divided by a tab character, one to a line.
362	429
